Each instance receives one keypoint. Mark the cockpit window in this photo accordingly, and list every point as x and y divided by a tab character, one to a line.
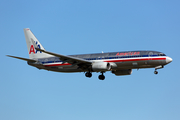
161	54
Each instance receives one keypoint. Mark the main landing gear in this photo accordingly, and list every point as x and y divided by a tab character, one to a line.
101	77
89	74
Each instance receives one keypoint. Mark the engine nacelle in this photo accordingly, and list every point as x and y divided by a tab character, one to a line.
122	72
101	66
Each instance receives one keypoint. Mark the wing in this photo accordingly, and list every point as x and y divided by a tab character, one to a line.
69	59
64	58
25	59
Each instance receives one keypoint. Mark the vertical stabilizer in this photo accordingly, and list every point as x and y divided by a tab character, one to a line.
33	53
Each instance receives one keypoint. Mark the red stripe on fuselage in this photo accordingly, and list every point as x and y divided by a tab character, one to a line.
50	65
137	59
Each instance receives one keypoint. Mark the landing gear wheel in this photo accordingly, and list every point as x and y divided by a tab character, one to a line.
88	74
101	77
155	72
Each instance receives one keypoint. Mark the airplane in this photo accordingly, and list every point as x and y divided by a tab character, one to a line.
119	63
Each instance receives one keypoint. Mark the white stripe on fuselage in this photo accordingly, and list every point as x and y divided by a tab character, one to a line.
134	59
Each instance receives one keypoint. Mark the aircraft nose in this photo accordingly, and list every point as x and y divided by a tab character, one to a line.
168	59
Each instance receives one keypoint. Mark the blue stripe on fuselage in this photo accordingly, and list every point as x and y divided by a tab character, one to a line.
57	60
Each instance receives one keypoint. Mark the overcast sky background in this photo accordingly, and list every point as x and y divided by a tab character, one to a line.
74	27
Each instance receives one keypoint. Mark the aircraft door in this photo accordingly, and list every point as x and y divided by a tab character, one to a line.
150	57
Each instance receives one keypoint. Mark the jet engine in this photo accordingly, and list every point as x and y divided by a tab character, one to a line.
101	66
122	72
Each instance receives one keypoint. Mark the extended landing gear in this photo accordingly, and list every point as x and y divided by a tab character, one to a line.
88	74
158	67
101	77
155	72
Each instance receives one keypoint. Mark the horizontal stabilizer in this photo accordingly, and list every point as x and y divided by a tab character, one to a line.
25	59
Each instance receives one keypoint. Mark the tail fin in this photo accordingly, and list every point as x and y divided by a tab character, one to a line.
33	53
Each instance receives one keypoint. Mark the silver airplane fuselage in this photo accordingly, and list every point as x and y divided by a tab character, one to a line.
117	60
119	63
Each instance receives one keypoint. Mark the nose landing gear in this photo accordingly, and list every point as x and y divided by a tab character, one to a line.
158	67
155	72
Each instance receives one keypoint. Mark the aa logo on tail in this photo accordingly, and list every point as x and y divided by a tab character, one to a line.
32	48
